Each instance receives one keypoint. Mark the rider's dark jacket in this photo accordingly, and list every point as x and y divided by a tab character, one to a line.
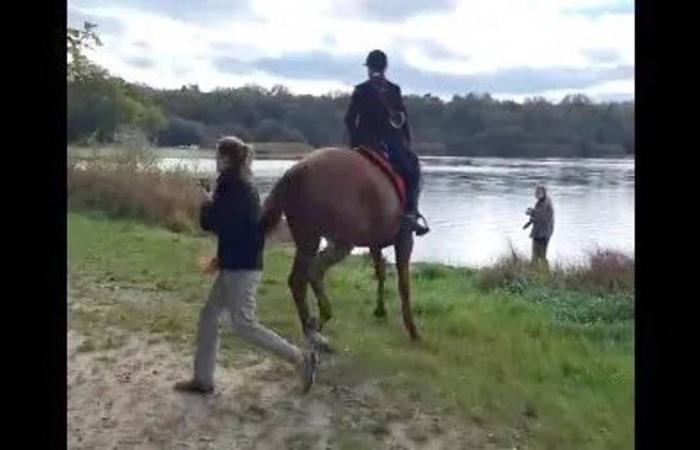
367	117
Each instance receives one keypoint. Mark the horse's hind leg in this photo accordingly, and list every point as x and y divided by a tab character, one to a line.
380	273
332	254
404	247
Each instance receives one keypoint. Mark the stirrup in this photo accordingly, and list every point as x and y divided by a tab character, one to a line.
421	229
411	220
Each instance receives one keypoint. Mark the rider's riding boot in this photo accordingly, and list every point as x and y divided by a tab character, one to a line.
411	215
411	220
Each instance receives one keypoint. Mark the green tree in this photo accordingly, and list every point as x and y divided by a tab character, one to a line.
79	66
98	104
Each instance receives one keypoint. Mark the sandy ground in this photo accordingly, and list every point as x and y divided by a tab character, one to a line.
123	399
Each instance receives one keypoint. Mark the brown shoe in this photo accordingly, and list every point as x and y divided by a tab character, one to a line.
194	387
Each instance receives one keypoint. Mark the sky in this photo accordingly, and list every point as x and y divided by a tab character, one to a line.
512	49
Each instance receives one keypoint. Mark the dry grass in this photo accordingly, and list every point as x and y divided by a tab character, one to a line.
131	185
604	271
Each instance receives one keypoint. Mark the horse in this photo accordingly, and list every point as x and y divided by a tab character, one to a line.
341	196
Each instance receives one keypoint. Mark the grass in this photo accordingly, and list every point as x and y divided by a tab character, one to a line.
549	361
108	342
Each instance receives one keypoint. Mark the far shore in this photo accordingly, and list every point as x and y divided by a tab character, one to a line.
263	150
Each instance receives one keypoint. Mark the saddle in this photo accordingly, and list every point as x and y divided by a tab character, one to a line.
377	158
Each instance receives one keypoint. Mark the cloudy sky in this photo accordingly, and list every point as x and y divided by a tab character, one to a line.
510	48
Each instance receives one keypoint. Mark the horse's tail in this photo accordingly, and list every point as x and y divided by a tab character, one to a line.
273	207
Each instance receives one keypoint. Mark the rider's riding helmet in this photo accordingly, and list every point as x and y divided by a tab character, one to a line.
376	60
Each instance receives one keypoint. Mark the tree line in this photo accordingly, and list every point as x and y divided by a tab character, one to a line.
99	104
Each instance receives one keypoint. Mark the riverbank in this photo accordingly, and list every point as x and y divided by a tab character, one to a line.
263	150
286	150
524	361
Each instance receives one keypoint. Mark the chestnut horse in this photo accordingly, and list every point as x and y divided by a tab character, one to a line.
339	195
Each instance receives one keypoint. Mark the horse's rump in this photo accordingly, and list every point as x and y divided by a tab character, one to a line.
339	193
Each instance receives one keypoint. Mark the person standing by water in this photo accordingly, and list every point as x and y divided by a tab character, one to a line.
542	221
233	214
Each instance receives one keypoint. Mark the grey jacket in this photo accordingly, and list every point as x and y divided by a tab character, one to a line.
542	218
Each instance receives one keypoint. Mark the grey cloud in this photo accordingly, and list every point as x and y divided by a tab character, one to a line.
521	80
622	7
313	65
182	71
140	62
206	12
602	55
235	50
438	51
232	65
617	98
203	12
329	40
431	48
397	10
105	25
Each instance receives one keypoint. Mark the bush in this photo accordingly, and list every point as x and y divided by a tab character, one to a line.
606	270
131	185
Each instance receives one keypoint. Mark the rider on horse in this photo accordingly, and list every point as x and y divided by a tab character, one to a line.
377	118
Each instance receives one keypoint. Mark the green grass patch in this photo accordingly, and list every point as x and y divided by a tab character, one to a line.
554	362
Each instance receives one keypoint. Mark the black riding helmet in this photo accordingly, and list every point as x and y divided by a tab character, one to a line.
376	60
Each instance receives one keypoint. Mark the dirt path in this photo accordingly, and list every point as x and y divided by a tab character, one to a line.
122	398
